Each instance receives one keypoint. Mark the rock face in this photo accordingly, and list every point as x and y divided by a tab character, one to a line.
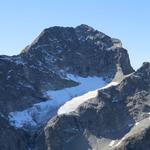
81	50
10	138
138	138
117	119
45	64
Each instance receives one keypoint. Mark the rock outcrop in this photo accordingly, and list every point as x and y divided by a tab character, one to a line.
45	64
42	66
117	119
11	138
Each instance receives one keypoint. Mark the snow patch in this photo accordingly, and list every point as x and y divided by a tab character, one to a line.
19	60
114	100
130	125
20	119
110	85
41	112
1	114
112	143
119	142
136	123
8	77
74	103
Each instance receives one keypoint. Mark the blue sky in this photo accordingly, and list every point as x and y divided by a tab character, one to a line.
129	20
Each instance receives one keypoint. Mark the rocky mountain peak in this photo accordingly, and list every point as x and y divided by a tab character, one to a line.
141	78
69	35
145	68
64	46
61	64
56	52
85	27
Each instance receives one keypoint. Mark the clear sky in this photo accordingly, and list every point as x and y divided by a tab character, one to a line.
21	21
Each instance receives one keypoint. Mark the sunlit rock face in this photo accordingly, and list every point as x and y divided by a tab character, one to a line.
11	138
61	64
116	119
116	43
56	52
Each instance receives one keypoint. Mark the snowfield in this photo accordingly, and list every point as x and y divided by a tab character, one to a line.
41	112
75	102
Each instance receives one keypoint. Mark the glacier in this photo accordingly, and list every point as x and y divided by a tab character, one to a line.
41	112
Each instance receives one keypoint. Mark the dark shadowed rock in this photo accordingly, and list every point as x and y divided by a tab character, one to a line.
11	138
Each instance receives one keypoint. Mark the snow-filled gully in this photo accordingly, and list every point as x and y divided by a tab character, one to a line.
74	103
61	102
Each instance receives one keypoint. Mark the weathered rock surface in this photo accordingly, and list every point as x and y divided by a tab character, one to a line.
138	138
81	51
11	138
118	118
44	65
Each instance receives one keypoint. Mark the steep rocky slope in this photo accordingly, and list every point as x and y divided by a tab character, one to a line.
11	138
61	63
117	119
45	64
138	138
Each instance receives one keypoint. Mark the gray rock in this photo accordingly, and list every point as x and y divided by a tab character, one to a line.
43	65
57	51
109	120
11	138
138	138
